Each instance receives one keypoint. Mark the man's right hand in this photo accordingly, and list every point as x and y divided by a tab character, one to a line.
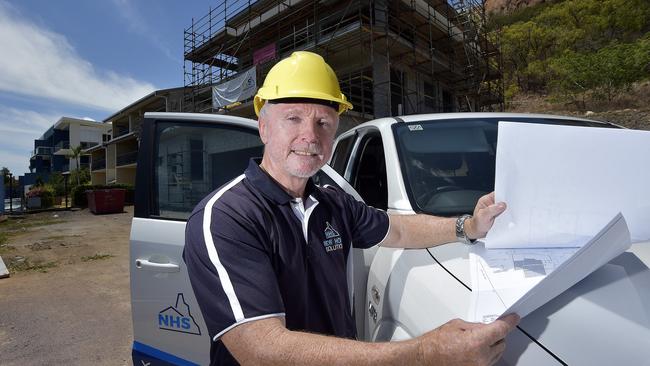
269	342
461	343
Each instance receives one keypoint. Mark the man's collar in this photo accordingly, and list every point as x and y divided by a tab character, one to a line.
269	187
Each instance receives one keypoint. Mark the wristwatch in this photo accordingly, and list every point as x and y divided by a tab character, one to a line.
460	230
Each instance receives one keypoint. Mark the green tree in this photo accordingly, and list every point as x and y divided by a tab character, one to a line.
5	174
522	44
615	70
574	75
56	181
80	176
5	177
75	153
538	43
603	73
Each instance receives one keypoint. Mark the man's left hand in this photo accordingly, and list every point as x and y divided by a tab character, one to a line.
484	214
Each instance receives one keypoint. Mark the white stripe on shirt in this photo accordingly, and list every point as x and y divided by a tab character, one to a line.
214	257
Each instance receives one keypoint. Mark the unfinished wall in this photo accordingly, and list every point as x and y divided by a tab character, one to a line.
110	163
98	178
125	175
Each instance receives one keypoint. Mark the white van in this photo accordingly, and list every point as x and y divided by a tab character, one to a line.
398	294
182	157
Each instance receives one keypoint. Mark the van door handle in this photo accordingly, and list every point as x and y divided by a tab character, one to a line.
158	267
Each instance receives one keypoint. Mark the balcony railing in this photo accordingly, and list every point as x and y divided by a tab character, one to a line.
127	158
98	164
62	145
119	131
88	144
42	150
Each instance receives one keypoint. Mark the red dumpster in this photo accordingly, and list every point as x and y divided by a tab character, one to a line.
101	201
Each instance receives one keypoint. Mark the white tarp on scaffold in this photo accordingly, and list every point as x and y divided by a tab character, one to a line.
234	90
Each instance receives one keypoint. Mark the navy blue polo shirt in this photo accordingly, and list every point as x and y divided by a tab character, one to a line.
249	256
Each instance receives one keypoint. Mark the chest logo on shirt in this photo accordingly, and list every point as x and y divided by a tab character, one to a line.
332	240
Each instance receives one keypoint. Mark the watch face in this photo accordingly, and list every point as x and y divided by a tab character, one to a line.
459	228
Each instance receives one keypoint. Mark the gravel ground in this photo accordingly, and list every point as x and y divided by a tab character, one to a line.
67	301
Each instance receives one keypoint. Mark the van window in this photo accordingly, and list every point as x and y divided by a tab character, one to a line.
193	160
341	154
369	178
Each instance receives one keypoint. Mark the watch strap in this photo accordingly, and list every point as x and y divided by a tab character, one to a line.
461	235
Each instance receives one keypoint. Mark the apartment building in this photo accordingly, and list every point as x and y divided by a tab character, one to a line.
115	160
52	151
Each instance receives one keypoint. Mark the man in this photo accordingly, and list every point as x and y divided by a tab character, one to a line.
269	288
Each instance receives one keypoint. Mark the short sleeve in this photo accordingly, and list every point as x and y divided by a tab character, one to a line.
369	225
230	270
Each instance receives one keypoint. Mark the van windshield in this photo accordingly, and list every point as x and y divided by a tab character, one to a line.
447	165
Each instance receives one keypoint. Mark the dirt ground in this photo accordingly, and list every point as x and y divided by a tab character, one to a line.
67	301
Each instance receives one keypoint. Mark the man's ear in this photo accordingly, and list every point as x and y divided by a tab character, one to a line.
262	129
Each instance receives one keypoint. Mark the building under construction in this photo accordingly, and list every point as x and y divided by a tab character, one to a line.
392	57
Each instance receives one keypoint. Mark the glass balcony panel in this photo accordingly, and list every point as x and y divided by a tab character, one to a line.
88	144
119	131
98	163
62	145
127	158
42	151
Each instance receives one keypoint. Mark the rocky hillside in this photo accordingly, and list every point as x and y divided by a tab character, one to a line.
507	6
630	109
588	58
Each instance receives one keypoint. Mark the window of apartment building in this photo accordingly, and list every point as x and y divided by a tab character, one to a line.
447	102
429	95
396	92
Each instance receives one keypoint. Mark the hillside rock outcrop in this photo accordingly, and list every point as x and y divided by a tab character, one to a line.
507	6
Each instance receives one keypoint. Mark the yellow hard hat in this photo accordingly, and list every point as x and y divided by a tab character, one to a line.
303	75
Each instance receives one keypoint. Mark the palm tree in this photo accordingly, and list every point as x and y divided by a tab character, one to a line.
75	153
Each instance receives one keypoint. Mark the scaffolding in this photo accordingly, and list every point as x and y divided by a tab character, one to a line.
391	56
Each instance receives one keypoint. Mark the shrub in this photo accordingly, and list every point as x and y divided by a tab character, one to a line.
56	181
45	193
83	175
78	194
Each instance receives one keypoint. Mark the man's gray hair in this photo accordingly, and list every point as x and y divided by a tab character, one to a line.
264	109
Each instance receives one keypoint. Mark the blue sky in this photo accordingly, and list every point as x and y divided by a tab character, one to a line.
83	59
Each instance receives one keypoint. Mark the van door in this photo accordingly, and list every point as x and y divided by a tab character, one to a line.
181	159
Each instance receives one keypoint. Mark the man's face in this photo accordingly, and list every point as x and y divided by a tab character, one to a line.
298	138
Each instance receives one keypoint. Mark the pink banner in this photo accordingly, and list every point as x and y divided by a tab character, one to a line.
264	54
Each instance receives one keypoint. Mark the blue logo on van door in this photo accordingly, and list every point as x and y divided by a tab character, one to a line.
178	318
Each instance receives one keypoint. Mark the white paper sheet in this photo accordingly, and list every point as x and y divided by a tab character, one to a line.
500	277
562	184
521	280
